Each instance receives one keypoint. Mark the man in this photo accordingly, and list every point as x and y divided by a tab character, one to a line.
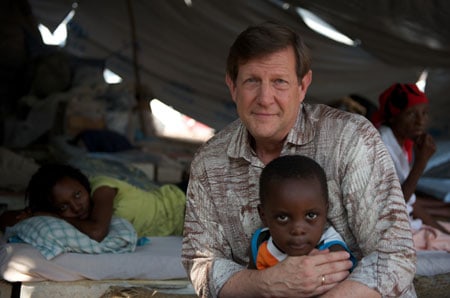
268	74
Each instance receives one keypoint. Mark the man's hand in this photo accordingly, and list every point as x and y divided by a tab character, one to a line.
307	276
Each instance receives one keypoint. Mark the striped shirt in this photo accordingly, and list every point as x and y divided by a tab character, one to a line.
366	204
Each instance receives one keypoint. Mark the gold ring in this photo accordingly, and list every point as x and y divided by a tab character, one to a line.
323	280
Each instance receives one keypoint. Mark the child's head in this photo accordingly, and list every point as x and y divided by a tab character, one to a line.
60	189
294	203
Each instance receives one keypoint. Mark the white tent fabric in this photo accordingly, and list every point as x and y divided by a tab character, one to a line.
182	48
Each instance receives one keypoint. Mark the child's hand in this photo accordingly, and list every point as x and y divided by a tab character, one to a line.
11	217
24	214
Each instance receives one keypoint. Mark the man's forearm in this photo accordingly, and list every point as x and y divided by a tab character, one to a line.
245	283
350	288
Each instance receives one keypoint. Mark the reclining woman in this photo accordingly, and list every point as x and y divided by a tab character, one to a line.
89	204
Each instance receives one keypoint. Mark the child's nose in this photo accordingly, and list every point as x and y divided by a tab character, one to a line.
75	207
298	228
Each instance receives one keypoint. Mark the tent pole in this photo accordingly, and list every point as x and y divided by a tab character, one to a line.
143	107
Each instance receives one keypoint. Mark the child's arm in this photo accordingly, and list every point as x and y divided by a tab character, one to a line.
96	226
11	217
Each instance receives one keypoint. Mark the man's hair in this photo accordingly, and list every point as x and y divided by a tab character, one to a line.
39	190
291	167
264	39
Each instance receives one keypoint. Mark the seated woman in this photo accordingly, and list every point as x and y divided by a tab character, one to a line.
65	192
402	120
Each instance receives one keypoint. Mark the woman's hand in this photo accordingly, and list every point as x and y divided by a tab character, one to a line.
424	147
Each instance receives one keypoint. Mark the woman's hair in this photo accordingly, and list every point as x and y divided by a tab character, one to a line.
264	39
39	190
291	167
397	98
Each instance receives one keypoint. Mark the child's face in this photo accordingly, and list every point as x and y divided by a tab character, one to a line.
295	211
71	199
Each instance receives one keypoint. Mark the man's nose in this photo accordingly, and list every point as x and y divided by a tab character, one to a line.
265	94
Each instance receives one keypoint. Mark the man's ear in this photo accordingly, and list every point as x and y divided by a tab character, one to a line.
304	85
231	86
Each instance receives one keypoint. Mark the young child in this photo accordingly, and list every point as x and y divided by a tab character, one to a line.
64	191
293	208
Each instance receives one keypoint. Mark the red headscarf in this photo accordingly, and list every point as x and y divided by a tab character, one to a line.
394	100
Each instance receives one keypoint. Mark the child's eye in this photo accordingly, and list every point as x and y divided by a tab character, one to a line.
311	215
78	194
63	208
282	218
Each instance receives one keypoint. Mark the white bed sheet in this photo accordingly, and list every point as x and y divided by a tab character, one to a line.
432	262
158	260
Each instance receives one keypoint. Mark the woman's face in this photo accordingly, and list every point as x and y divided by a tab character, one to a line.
71	199
412	122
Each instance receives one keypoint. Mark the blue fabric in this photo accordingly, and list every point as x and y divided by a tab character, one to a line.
53	236
435	180
260	235
103	141
143	241
328	244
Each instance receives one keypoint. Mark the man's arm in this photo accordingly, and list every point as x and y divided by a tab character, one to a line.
349	288
377	215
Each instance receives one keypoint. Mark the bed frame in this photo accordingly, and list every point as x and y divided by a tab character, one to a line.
101	289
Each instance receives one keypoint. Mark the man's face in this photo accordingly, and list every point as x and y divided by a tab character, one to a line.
295	211
268	94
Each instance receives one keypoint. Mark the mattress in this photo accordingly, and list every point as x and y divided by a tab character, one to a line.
158	260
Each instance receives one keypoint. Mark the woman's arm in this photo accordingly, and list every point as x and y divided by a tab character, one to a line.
424	148
420	212
96	226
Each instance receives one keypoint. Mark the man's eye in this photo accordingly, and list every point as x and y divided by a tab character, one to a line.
78	194
311	215
281	84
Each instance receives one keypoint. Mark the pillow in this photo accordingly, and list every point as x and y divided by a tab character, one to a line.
53	236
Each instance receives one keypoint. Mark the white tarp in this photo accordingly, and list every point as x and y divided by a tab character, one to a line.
182	48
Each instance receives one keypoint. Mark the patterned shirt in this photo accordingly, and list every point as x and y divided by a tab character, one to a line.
366	204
